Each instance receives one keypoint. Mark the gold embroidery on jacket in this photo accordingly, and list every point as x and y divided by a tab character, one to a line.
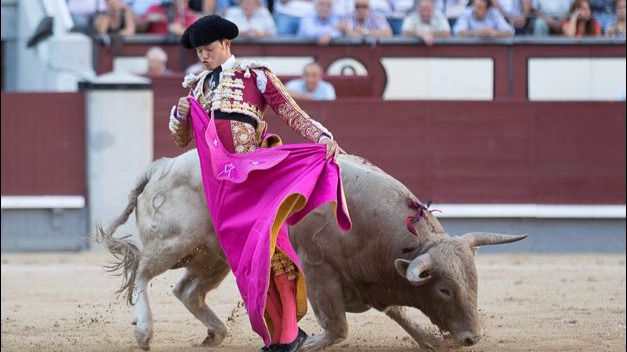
241	107
282	264
295	117
244	137
183	135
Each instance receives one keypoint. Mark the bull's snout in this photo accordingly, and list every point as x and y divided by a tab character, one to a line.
466	338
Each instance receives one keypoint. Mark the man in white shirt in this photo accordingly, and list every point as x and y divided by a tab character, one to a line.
289	13
549	14
253	20
311	86
426	23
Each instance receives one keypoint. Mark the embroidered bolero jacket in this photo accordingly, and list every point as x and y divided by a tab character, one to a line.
248	88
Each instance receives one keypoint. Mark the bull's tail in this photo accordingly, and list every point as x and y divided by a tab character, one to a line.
126	253
127	256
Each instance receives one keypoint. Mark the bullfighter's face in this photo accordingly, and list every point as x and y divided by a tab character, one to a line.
214	54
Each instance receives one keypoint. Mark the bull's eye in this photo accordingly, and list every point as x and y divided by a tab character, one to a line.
425	274
445	292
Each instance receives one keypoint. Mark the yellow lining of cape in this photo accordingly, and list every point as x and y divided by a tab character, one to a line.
290	205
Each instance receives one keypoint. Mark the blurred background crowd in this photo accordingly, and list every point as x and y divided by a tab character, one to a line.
324	20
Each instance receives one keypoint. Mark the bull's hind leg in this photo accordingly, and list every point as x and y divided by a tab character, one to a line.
201	276
327	300
148	268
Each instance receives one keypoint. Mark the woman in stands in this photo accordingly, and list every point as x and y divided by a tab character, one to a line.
580	21
118	19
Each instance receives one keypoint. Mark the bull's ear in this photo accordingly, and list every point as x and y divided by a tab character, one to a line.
401	266
417	271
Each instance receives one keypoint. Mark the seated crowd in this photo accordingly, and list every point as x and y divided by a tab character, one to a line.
324	20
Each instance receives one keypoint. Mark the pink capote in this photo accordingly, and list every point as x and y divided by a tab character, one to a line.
251	196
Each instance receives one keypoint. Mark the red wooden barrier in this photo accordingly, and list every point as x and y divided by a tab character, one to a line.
472	152
43	144
457	152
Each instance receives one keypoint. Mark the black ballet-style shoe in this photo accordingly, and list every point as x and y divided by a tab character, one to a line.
292	346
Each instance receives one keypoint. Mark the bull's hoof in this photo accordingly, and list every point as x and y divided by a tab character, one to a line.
213	338
143	338
320	341
427	347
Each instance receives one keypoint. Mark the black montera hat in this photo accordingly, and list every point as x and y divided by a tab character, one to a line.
208	29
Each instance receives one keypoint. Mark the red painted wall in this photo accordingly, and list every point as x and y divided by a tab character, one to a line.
43	148
459	152
474	152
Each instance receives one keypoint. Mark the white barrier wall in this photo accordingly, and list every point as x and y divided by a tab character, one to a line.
119	143
576	79
439	78
292	65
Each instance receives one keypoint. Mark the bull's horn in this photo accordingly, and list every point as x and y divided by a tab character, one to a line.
476	239
417	271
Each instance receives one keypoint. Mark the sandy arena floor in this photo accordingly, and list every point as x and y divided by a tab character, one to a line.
65	302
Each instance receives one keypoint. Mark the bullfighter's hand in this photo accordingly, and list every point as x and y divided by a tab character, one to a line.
332	147
182	108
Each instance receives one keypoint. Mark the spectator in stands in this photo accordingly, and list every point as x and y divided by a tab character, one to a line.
83	13
618	27
204	7
140	7
481	19
603	12
252	20
580	21
117	19
363	23
517	13
451	9
425	23
168	17
311	86
219	7
323	26
393	10
157	60
343	8
288	15
399	9
548	15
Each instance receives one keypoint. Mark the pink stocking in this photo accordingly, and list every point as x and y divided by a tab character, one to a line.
285	286
273	308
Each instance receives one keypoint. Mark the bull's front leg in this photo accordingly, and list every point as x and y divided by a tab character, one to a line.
424	338
326	298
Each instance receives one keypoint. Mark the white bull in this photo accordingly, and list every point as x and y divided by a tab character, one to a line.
379	264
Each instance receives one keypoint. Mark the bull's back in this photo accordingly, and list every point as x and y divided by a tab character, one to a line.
377	206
